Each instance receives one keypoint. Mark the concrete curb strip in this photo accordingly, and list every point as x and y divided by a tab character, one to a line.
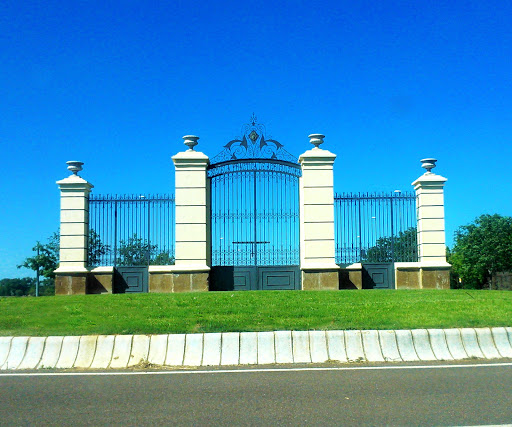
439	345
251	348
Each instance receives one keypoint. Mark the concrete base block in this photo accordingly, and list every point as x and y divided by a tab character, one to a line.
178	282
100	283
435	278
350	279
422	277
71	284
313	280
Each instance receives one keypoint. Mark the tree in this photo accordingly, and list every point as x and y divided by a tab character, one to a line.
96	249
482	249
402	248
17	287
135	251
46	259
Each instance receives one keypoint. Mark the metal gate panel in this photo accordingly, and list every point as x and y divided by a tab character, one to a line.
131	279
279	278
378	276
254	186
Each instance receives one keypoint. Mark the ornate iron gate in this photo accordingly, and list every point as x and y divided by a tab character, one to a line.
255	214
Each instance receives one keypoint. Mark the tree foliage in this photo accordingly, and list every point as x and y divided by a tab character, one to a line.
47	260
138	251
481	249
402	248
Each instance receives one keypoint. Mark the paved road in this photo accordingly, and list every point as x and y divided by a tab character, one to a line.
475	395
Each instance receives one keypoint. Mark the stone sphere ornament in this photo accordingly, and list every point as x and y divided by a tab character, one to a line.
75	166
190	141
316	139
428	164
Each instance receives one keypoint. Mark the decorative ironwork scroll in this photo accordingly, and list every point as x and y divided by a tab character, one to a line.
253	144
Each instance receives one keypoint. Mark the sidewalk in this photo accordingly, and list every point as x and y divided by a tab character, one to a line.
253	348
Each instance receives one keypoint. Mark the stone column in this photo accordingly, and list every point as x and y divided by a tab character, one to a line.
71	276
319	270
430	225
193	249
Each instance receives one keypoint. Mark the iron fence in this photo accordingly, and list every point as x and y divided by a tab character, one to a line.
375	227
131	230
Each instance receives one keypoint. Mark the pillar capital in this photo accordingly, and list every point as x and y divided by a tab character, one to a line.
192	197
74	229
317	214
430	220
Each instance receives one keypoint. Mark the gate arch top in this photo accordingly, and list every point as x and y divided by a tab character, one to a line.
254	145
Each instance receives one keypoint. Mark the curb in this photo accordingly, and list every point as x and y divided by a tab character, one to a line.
252	348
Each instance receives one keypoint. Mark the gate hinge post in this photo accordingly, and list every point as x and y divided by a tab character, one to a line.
317	213
71	275
192	198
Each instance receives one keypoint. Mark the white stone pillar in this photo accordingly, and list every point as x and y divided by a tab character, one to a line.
430	216
319	269
71	276
193	249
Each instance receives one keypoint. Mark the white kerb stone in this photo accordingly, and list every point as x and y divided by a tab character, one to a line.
157	349
5	346
51	352
175	350
140	350
283	343
318	346
122	350
86	351
300	345
33	354
248	348
354	346
336	346
266	348
422	345
211	349
371	346
68	353
389	346
103	355
193	350
439	345
501	340
230	352
454	342
406	346
486	342
471	343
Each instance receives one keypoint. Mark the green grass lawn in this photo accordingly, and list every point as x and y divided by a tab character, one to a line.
253	311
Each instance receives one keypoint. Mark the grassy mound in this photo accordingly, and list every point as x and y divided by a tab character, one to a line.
253	311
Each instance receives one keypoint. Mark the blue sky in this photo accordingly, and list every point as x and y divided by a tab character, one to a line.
117	84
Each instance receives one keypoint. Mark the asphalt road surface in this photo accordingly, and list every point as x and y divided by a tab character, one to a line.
477	394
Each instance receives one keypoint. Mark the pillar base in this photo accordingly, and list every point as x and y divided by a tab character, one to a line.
169	279
71	284
320	280
415	275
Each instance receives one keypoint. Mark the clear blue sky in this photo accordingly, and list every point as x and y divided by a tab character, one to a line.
117	84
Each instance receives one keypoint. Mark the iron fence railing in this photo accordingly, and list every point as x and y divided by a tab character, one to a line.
373	227
131	230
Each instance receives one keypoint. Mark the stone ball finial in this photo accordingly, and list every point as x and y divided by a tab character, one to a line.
75	166
428	164
316	139
190	141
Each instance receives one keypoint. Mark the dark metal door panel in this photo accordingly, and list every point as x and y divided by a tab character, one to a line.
131	279
279	278
378	276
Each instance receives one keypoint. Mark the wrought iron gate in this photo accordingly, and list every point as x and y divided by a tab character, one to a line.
255	214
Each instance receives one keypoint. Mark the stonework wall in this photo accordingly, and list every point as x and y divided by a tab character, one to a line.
178	282
320	280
